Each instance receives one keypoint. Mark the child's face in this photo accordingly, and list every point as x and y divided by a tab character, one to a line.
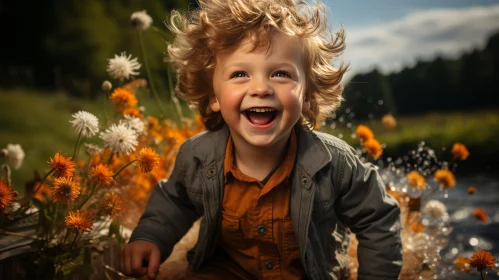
267	79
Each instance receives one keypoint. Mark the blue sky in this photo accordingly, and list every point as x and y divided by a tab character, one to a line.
392	34
364	12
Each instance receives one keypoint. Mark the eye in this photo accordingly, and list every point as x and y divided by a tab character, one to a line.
282	74
238	74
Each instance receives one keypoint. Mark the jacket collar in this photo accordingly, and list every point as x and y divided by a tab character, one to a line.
312	153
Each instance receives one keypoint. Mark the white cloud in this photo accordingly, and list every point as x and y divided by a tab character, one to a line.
420	35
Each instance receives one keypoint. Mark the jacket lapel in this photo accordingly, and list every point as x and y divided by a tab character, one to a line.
312	155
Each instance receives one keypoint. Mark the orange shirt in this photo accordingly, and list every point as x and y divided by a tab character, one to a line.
257	232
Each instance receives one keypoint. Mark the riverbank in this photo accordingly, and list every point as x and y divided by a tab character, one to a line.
39	121
478	130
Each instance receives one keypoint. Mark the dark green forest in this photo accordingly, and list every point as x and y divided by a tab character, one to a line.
64	46
468	83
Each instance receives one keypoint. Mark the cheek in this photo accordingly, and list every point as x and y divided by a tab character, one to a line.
293	102
230	100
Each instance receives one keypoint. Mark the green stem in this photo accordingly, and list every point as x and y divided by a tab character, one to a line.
174	98
149	75
74	239
482	274
126	165
43	181
92	192
65	237
154	28
18	234
110	158
76	146
54	224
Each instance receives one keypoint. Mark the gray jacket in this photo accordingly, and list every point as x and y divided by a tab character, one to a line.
332	193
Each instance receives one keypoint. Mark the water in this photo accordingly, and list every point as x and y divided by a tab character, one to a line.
470	235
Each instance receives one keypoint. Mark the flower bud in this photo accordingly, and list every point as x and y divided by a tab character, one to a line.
107	86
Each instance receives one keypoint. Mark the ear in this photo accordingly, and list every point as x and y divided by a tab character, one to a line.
214	104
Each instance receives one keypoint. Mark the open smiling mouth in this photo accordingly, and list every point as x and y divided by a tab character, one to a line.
260	116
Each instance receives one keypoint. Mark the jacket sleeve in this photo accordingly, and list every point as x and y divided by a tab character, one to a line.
169	213
374	216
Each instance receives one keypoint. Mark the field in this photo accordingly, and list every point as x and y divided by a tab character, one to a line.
39	121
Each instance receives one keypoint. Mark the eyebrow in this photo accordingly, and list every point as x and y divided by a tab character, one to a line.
271	65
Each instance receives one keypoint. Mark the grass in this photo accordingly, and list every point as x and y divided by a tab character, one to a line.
39	121
478	130
438	129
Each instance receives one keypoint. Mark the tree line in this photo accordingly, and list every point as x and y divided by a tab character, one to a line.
468	83
64	44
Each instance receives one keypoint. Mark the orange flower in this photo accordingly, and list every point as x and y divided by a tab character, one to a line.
445	178
134	84
364	133
65	190
462	264
44	192
123	98
482	260
373	148
471	190
134	112
480	215
400	197
148	159
63	167
417	227
459	151
389	121
79	220
7	195
101	175
111	205
416	180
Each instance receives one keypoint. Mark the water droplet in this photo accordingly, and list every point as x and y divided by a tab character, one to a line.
473	241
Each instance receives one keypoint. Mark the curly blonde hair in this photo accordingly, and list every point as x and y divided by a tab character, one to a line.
220	24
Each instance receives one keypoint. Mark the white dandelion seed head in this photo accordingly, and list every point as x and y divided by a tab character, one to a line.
15	155
121	67
141	20
120	139
92	149
107	86
435	209
85	123
134	123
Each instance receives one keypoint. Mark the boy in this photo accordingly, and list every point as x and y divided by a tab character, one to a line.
278	200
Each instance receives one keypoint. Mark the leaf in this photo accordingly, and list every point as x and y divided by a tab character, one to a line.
38	204
114	232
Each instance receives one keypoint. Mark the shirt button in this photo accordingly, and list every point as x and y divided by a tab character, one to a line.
269	265
261	229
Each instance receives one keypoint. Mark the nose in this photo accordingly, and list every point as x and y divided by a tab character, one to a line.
260	87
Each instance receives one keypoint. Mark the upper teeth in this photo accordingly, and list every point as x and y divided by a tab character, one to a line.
261	109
